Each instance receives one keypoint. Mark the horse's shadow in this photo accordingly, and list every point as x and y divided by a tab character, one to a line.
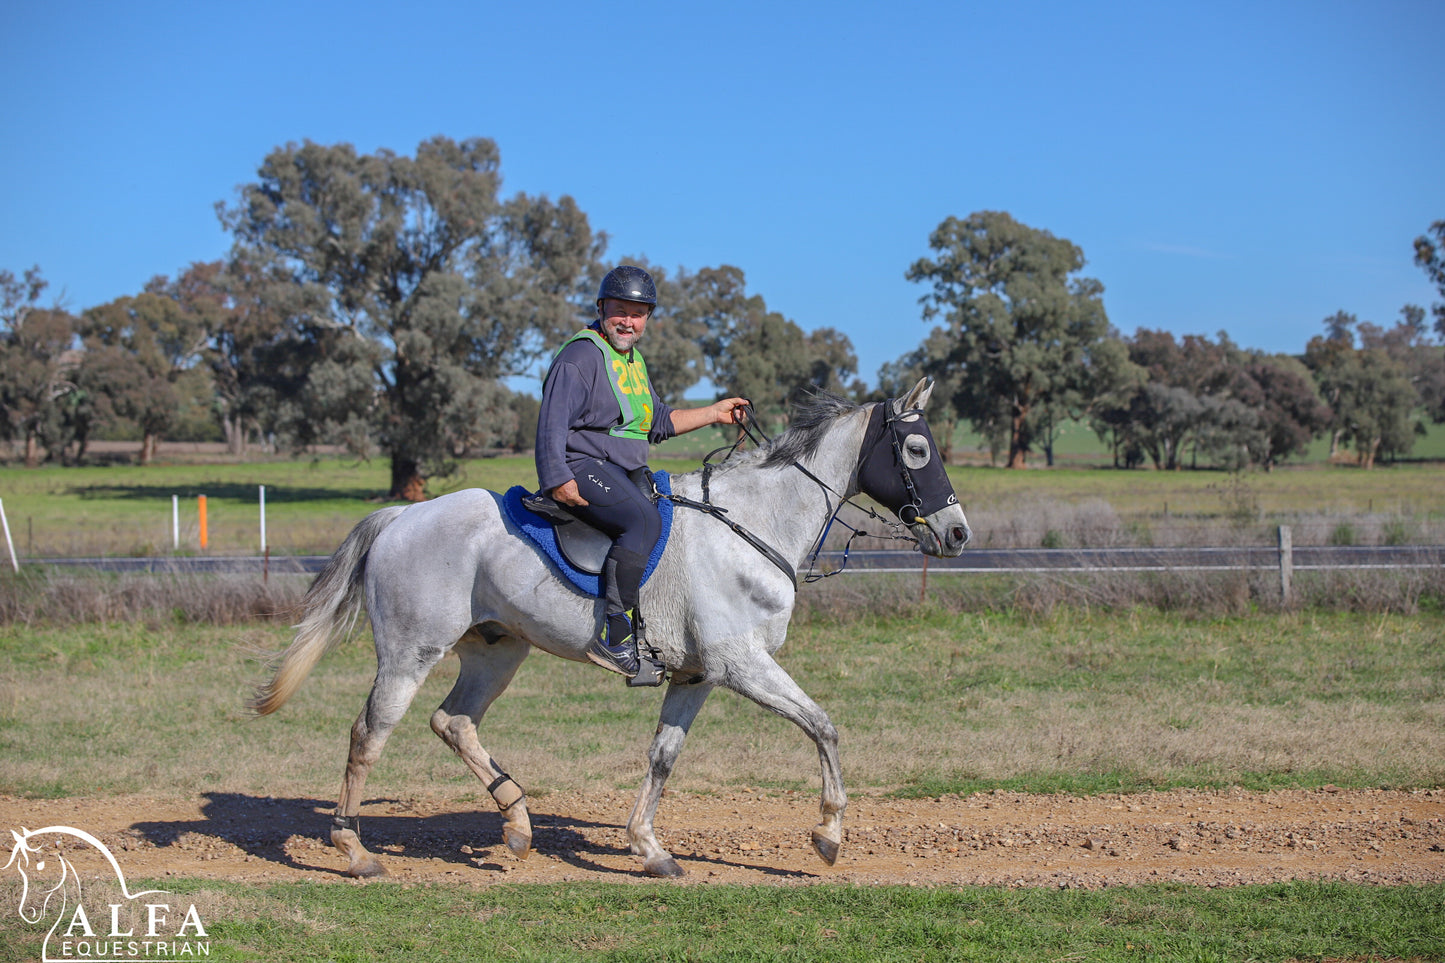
261	826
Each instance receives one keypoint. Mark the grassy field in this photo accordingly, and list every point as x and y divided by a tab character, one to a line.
933	702
140	690
126	510
1297	921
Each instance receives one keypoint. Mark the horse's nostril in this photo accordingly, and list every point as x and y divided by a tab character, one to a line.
960	535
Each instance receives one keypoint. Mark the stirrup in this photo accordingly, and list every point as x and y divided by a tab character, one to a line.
650	670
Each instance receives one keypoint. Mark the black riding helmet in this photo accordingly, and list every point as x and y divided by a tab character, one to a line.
628	283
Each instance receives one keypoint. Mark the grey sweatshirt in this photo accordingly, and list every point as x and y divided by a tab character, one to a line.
578	407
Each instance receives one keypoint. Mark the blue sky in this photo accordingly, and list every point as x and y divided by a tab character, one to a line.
1245	167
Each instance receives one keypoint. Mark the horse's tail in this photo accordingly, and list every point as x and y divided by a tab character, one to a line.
330	609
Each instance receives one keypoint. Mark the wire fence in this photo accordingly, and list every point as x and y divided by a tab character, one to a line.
1283	556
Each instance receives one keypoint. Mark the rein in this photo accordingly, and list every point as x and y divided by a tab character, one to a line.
759	440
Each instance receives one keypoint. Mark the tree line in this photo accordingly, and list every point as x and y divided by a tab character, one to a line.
1024	345
380	302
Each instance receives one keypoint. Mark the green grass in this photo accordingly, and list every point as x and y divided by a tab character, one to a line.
927	703
390	921
310	506
933	702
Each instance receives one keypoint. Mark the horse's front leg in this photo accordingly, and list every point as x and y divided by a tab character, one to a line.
679	708
766	683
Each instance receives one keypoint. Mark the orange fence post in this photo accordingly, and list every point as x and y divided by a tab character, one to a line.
201	504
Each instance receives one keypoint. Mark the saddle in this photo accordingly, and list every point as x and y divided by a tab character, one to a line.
582	545
574	547
578	551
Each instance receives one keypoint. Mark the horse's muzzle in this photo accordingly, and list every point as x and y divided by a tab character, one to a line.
944	533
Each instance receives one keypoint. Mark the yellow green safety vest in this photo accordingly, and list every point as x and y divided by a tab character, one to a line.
628	377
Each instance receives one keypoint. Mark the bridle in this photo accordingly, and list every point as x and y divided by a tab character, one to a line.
752	430
911	510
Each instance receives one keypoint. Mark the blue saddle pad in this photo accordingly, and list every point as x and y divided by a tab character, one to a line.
540	532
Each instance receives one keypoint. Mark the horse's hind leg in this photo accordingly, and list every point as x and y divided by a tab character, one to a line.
390	695
486	670
679	708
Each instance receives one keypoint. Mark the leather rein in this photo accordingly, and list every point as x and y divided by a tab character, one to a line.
759	438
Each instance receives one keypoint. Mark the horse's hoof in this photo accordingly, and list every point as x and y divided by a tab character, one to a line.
518	842
368	868
665	867
827	849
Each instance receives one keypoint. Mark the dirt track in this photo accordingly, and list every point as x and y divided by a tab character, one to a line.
1224	838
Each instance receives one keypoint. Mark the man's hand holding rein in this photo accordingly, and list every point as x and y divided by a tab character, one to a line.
725	412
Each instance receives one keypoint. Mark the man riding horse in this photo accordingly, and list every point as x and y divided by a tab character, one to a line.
599	413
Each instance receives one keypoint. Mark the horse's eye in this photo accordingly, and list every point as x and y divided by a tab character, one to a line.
916	452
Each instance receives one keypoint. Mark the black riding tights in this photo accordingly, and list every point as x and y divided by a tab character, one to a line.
619	505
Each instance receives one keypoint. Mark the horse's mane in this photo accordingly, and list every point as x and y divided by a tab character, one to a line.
812	417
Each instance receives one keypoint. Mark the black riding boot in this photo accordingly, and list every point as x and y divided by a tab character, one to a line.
615	646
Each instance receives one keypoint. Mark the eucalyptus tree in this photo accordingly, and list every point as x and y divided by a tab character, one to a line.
770	360
37	364
1108	376
415	288
1024	325
1281	393
1368	388
1330	359
1195	383
1425	360
1410	343
1198	397
252	345
764	359
145	353
1430	255
833	364
742	346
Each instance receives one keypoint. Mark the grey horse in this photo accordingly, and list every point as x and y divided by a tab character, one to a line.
454	575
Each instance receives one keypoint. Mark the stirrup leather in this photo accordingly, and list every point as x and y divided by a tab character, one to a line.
650	670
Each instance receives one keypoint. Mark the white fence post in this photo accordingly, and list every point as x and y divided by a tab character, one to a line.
1286	563
265	552
8	543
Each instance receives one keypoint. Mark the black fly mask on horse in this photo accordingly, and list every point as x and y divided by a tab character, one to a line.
899	466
